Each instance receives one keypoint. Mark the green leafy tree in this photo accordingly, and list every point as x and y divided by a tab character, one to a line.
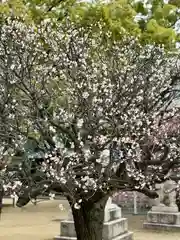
158	20
150	21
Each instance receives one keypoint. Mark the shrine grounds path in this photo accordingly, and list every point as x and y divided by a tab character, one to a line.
41	222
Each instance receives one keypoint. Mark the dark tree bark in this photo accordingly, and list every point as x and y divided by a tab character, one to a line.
178	199
1	199
88	220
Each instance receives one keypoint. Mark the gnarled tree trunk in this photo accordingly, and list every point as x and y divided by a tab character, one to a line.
178	199
89	220
1	199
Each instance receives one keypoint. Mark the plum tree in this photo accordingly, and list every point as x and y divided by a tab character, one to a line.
99	107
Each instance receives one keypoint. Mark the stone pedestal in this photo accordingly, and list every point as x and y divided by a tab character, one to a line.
115	227
164	216
163	220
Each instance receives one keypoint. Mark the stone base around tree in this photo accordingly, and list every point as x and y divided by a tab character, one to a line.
115	227
113	230
125	236
64	238
162	220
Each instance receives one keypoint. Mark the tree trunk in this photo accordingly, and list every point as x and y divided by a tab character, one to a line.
1	200
178	199
88	220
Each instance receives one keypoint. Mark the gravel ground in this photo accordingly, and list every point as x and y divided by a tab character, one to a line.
40	222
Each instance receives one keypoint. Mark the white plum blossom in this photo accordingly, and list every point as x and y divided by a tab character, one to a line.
51	196
77	206
80	123
85	95
101	113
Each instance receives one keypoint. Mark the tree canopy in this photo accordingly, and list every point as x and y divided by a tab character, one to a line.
78	95
151	20
95	96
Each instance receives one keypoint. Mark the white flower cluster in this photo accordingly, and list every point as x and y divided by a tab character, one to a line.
78	96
